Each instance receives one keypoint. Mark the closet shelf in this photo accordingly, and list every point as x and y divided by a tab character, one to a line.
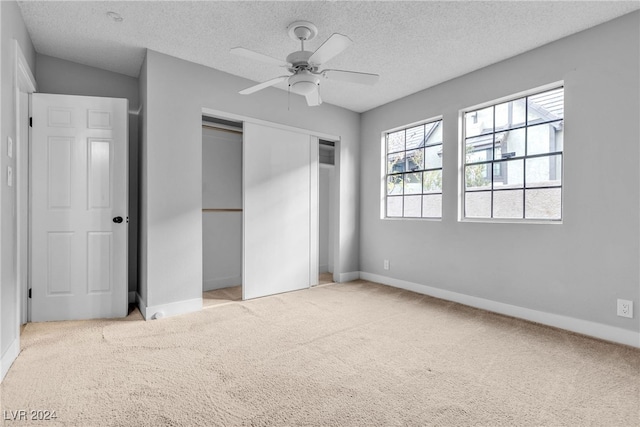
222	210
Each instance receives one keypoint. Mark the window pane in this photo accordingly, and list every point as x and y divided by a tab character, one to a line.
510	144
395	163
432	206
407	159
544	171
412	208
415	160
513	159
394	184
433	133
479	149
510	114
433	157
413	183
477	205
544	203
478	122
432	182
545	138
415	137
545	106
394	206
507	204
395	141
478	177
508	174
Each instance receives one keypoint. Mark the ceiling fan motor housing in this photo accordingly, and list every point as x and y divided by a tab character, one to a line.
300	61
303	83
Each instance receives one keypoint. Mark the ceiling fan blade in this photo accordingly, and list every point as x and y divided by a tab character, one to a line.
351	76
263	85
240	51
313	98
330	48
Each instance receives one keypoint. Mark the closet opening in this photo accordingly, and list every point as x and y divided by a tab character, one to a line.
326	189
221	211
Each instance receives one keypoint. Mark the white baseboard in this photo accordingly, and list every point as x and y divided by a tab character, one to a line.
225	282
585	327
9	357
347	277
168	310
132	297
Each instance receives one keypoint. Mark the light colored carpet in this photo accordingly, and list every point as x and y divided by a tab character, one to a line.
355	354
221	296
325	278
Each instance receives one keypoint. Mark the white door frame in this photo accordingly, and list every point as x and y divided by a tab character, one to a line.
25	83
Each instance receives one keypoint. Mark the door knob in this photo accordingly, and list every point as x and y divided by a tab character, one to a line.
117	219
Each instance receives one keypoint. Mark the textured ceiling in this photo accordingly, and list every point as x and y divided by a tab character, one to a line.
412	45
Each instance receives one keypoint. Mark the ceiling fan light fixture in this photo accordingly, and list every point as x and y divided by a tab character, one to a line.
303	88
303	83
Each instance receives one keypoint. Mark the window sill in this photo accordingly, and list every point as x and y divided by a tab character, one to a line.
512	221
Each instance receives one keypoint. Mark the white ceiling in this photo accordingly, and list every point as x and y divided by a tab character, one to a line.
412	45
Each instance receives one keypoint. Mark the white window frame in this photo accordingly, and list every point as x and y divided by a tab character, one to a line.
384	174
462	159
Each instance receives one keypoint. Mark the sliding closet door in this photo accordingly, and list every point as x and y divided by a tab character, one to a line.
278	173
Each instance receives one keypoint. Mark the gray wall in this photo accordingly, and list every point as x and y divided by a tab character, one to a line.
58	76
55	75
577	269
12	27
171	222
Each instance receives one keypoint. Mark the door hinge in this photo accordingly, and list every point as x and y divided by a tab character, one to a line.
30	122
29	292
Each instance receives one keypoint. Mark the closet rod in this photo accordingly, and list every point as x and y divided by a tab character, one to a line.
221	210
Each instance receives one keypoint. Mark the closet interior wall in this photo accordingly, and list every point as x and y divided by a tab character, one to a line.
326	189
221	205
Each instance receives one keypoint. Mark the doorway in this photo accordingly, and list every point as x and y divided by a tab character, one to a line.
326	188
221	211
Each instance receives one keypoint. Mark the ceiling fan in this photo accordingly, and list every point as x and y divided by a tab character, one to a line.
305	66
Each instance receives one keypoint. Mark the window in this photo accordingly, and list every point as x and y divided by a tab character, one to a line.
413	171
513	158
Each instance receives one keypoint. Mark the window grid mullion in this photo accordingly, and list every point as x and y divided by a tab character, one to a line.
524	161
493	157
386	176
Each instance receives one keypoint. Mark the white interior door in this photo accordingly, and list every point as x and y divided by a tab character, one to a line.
22	200
280	210
78	207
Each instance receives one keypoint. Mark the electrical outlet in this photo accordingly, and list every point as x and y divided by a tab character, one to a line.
625	308
386	264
